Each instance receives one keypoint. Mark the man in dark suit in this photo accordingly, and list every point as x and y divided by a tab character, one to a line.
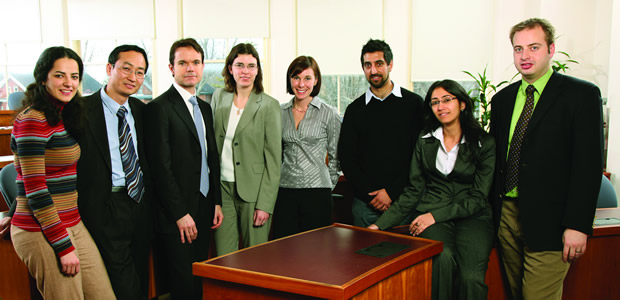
183	153
548	131
119	223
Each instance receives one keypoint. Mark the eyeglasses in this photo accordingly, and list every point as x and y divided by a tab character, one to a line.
241	66
444	100
128	71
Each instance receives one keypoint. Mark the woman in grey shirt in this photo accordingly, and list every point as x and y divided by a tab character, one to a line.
310	131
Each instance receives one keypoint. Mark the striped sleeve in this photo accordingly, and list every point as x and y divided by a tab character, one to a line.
31	135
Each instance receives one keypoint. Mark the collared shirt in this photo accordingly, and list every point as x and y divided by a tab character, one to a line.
445	159
519	104
186	96
395	90
304	148
110	108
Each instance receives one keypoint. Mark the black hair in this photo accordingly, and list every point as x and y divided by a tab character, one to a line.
38	98
126	48
469	126
377	45
187	42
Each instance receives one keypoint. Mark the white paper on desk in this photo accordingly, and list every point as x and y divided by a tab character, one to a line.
606	221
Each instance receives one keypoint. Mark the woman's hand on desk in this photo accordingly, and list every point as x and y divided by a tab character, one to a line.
419	224
5	225
373	227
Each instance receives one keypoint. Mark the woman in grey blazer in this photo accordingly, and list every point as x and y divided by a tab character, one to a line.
249	141
449	181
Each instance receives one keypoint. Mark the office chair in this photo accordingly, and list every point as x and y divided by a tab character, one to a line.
15	100
8	174
607	195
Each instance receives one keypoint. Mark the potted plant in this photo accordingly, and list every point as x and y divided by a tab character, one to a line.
481	95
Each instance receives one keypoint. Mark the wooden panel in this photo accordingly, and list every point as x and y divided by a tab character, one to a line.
411	283
6	117
5	142
495	278
15	283
595	274
217	289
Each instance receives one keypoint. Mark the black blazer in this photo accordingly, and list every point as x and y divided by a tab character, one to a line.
94	180
561	159
175	154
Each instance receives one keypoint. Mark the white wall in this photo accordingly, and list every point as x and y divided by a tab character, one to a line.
613	154
397	33
283	44
451	36
430	39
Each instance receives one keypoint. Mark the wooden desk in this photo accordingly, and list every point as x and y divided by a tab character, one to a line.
5	141
595	275
16	283
322	264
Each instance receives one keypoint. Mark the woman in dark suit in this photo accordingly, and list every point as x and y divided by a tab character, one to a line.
450	177
249	141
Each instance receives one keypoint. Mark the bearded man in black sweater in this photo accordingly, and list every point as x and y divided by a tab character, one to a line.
377	138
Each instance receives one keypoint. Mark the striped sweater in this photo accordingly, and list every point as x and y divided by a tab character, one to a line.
45	159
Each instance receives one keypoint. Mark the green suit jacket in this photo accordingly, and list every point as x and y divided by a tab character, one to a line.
460	194
257	146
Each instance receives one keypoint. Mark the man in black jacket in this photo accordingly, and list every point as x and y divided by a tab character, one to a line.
548	132
113	174
378	136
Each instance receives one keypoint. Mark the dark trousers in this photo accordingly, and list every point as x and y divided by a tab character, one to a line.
462	265
299	210
180	256
124	244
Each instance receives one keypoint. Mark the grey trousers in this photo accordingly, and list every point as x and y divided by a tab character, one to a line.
459	270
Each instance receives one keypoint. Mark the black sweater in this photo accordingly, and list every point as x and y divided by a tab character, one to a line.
377	141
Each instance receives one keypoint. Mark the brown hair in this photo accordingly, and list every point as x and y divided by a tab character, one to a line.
188	42
532	23
297	66
229	80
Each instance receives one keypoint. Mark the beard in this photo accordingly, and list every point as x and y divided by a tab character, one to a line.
379	84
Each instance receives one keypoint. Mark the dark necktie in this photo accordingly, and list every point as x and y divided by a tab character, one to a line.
131	165
514	154
204	170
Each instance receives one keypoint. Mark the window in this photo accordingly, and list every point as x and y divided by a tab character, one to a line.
340	90
95	54
17	60
216	51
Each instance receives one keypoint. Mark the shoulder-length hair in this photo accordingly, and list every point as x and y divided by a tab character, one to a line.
470	127
300	64
37	96
229	80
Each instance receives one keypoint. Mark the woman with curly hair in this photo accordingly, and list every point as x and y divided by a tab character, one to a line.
47	231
